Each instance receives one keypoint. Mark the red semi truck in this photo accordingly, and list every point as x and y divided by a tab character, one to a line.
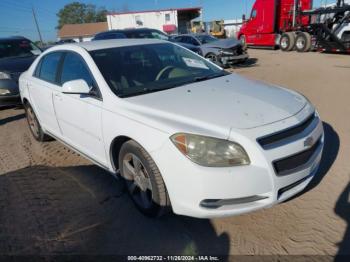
293	24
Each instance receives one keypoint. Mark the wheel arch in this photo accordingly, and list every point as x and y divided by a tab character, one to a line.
114	150
25	101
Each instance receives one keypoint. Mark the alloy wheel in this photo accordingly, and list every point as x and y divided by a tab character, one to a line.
300	43
284	42
212	58
137	180
32	121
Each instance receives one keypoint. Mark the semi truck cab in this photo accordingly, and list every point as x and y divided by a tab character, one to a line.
269	19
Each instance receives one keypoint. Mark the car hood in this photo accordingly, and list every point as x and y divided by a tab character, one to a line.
223	43
218	104
16	64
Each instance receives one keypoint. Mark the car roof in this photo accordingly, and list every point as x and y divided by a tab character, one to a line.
13	38
105	44
127	30
200	34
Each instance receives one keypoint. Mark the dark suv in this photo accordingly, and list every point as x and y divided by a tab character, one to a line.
142	33
16	55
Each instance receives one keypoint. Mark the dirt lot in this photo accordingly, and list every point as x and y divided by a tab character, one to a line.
52	201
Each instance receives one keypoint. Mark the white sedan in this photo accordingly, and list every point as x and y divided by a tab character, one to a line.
183	133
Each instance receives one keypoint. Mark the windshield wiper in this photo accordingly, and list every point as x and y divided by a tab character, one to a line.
203	78
152	90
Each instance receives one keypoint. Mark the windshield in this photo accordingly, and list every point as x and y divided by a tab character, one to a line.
205	39
18	48
137	70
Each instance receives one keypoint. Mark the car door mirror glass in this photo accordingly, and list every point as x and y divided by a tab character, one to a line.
76	87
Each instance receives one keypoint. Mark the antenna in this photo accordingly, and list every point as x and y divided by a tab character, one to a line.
37	27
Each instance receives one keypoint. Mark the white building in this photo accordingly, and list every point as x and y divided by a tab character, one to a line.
168	20
232	27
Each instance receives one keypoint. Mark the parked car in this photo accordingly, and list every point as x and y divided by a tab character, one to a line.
65	41
223	52
181	131
142	33
16	55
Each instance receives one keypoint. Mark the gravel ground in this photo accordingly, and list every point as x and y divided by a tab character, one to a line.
52	201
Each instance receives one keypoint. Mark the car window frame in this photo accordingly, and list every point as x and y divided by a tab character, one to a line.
187	39
179	39
39	64
98	95
194	40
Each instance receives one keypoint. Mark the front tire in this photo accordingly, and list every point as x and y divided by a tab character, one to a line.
215	59
34	125
143	180
287	41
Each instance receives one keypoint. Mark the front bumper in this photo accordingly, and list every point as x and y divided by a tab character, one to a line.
13	98
6	101
229	60
204	192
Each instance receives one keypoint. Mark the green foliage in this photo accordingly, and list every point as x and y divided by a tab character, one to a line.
79	13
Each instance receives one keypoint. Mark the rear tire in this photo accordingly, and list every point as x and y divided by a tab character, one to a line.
287	41
143	180
303	42
34	125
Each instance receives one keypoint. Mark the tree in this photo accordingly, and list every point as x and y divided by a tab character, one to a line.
79	13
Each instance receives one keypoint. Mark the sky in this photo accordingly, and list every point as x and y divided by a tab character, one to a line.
16	16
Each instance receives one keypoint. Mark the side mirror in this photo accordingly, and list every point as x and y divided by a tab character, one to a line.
76	87
243	18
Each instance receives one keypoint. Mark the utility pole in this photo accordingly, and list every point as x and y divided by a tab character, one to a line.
37	27
201	3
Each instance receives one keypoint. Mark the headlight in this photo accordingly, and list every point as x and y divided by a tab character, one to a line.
4	75
4	92
210	152
226	52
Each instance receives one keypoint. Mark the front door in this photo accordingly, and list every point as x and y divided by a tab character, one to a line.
79	116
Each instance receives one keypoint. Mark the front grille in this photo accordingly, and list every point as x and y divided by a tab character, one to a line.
268	141
287	188
296	162
238	50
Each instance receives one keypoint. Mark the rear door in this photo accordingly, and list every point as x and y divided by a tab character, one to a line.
79	116
41	88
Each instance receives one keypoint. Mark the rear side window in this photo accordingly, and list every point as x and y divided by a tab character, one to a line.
48	67
110	36
74	68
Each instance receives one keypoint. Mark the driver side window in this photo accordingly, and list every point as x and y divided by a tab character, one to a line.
74	68
254	13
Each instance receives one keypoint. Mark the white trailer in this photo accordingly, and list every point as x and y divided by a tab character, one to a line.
172	21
